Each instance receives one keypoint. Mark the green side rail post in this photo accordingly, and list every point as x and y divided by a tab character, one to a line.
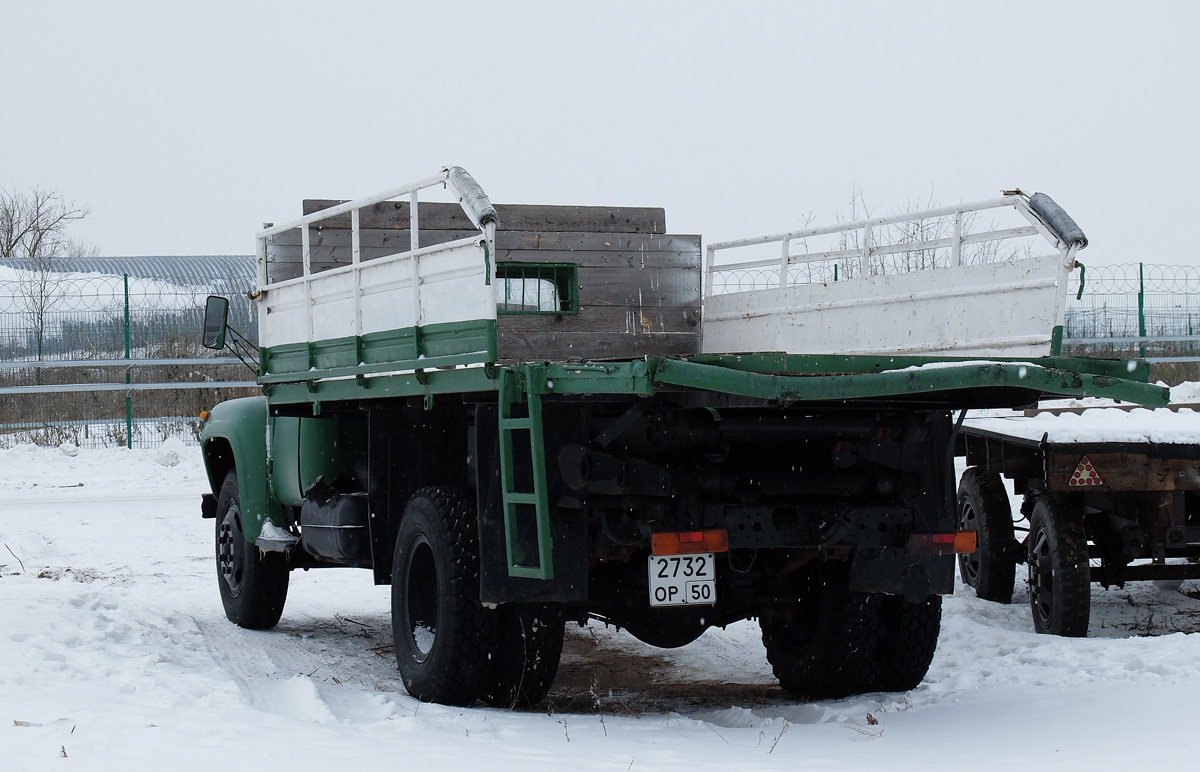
128	393
512	384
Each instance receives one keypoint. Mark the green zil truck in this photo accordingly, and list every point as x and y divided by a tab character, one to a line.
520	416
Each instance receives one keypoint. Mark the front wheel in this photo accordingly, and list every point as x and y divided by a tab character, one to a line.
443	634
1060	585
253	583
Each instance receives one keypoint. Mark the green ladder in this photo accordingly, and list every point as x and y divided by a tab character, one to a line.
513	384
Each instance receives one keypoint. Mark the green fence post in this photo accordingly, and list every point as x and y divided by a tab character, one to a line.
128	392
1141	309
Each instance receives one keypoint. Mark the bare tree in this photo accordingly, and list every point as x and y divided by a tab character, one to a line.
33	227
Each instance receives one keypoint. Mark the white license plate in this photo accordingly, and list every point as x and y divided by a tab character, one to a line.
683	580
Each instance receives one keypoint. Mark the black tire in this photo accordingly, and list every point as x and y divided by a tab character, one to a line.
443	634
983	507
825	646
909	641
253	583
529	641
1060	586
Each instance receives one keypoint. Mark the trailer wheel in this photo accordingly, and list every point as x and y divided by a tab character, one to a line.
442	633
983	507
909	641
253	583
1060	586
529	641
825	646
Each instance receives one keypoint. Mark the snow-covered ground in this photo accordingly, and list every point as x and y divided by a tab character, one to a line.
114	652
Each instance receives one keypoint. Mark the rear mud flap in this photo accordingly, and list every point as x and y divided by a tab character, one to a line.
894	572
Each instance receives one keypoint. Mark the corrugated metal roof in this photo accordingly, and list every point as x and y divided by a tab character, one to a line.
176	269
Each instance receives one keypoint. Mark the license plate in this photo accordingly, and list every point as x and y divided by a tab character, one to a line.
683	580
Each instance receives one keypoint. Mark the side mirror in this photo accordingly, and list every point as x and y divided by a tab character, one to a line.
216	312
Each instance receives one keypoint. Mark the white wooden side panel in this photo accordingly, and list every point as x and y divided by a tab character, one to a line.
333	306
284	318
454	288
387	298
997	309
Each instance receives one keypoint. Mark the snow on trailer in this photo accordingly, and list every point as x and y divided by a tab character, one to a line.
1112	494
516	416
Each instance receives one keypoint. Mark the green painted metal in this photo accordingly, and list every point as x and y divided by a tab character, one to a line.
331	446
1141	307
463	380
528	379
285	460
128	395
243	424
633	377
896	382
836	364
1056	339
408	348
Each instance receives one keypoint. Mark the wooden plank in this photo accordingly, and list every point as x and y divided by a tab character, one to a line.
330	248
540	345
574	241
616	319
394	215
554	241
638	287
1126	472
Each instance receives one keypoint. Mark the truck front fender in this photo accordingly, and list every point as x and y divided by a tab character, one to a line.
235	435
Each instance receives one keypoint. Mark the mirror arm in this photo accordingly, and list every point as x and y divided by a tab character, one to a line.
241	347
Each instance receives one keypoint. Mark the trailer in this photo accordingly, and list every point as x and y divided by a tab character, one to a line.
520	416
1111	495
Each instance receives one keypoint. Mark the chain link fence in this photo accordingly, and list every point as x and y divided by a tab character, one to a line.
1138	310
59	335
61	332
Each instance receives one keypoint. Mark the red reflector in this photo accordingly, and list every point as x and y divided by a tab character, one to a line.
690	542
939	543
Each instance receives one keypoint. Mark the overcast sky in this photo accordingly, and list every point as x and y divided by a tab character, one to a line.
184	126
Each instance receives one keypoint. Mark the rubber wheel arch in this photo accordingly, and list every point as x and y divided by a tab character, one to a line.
825	647
909	641
257	602
439	533
1060	584
983	507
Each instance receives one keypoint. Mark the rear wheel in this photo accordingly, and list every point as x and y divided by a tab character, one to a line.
909	641
443	634
253	583
529	641
825	646
983	507
1060	587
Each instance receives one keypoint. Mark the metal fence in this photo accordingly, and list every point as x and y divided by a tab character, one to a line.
104	360
1137	310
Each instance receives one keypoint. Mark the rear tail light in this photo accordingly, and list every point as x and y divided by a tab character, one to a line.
690	542
940	543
